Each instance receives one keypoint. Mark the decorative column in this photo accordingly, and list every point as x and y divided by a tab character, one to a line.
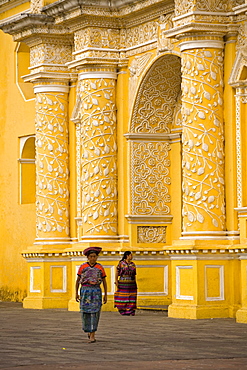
203	140
49	271
97	147
199	284
52	160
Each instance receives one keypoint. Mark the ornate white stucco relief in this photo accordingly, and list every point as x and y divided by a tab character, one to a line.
136	68
52	165
138	35
241	39
153	113
151	234
150	178
213	5
203	140
183	6
186	6
98	156
157	97
166	23
97	37
36	6
50	53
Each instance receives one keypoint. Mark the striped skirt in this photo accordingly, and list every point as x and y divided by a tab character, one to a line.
125	297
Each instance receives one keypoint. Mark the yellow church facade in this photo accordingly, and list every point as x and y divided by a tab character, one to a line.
123	125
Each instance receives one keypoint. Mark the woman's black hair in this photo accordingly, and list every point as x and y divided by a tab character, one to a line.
127	253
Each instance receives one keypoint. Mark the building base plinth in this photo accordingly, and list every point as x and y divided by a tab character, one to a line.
43	303
241	316
197	312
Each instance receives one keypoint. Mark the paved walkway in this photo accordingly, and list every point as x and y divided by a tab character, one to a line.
53	339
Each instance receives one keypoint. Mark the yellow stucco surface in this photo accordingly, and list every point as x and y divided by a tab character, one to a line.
129	135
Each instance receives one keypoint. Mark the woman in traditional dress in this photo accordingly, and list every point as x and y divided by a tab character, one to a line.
125	280
90	275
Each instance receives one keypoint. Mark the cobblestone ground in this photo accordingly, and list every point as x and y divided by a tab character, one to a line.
53	339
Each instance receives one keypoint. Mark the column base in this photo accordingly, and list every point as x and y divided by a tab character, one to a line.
73	305
183	311
42	303
241	316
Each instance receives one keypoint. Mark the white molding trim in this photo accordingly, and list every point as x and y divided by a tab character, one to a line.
32	290
178	294
149	219
165	291
153	137
64	288
97	74
188	45
104	239
221	297
50	88
243	256
184	257
94	49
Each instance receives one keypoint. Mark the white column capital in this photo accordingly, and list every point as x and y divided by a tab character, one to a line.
97	74
200	44
50	88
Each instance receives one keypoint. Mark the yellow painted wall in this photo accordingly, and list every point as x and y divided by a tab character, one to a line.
17	222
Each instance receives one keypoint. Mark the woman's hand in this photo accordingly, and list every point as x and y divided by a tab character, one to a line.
116	283
105	299
77	298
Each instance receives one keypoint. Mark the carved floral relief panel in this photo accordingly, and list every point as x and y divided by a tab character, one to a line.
51	53
97	37
98	156
151	234
52	165
139	34
203	140
186	6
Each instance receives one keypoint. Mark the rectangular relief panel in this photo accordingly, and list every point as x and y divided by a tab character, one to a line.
152	279
58	279
214	283
184	282
35	279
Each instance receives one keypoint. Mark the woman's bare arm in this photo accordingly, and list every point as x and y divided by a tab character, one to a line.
105	290
77	298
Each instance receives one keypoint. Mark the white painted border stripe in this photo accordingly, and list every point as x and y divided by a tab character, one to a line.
221	297
64	288
32	290
178	294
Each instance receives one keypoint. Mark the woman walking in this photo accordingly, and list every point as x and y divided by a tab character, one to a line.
90	275
125	280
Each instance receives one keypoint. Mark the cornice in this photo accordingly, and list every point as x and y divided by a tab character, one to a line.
163	252
77	13
6	5
193	28
26	20
29	26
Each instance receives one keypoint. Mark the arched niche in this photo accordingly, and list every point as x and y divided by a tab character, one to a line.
154	127
27	170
